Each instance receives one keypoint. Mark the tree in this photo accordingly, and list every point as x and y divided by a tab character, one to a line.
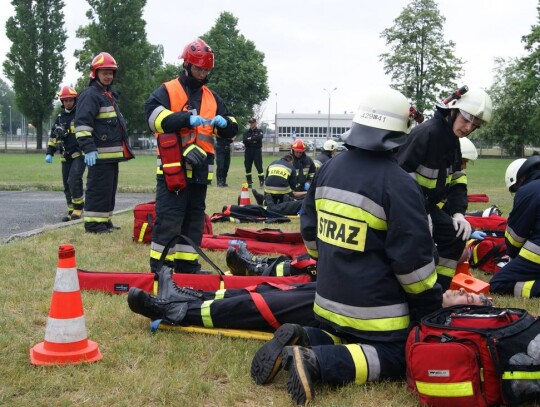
35	64
240	76
421	64
511	125
117	27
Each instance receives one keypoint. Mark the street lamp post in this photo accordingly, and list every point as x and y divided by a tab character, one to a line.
10	130
275	129
329	99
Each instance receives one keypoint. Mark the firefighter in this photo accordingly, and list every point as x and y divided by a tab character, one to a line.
432	155
223	159
186	116
304	166
456	200
280	183
521	276
102	136
252	139
363	220
62	139
328	151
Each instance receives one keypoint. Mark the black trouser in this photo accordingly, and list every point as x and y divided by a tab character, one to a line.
236	310
179	213
253	155
101	185
72	174
223	161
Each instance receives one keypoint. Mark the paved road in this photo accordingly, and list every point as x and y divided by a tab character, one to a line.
22	212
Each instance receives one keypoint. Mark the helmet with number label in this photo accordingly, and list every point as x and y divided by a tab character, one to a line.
382	121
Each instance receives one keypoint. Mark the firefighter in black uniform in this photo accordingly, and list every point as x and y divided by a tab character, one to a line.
63	140
363	219
432	155
304	166
223	159
521	276
186	115
252	139
328	151
102	135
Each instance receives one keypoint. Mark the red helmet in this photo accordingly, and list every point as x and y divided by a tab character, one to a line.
67	92
198	53
298	145
103	60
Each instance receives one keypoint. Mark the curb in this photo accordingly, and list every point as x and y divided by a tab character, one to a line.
46	228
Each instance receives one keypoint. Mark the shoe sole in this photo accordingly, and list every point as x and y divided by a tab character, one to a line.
299	383
267	361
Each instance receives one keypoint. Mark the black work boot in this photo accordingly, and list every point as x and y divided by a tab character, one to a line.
258	197
111	227
171	312
249	180
224	182
169	290
267	361
304	371
261	181
240	263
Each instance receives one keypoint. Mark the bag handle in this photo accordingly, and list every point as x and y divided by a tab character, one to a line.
174	240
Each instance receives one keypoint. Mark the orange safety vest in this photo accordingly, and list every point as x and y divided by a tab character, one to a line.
202	136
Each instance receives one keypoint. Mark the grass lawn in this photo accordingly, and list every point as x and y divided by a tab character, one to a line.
140	368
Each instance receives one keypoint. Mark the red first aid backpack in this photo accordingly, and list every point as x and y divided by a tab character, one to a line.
474	356
488	254
144	217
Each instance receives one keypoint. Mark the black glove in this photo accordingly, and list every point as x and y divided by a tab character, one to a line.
195	155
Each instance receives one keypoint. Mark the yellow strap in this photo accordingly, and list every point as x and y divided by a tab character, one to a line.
234	333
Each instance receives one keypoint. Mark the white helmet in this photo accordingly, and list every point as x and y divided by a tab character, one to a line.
382	121
476	102
329	145
517	169
468	150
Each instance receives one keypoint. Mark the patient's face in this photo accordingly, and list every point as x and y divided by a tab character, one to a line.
458	297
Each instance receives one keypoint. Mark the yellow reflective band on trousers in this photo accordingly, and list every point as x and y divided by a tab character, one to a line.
96	219
280	269
523	289
368	325
360	363
530	251
154	254
219	294
354	213
205	314
461	389
520	375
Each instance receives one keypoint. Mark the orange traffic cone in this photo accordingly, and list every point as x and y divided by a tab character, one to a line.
65	335
244	195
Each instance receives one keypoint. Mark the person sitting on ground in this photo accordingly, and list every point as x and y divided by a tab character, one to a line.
521	276
279	188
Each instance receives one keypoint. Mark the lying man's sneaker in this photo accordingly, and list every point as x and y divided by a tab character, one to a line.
170	312
304	371
267	361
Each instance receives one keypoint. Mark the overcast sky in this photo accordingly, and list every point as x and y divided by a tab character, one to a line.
313	45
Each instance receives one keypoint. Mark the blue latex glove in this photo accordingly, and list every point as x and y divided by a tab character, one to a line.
48	158
197	120
219	121
90	158
306	186
478	235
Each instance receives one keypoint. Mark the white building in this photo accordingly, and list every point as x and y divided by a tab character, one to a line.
312	127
